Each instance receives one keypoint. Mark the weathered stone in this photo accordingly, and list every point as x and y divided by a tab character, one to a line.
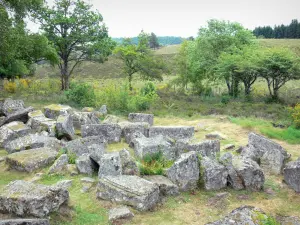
59	164
250	173
32	141
244	215
110	165
110	132
31	160
25	222
141	117
291	174
166	187
214	174
63	184
120	213
25	198
176	132
12	131
229	147
128	129
288	220
146	146
185	171
208	148
215	135
64	127
20	115
72	169
129	166
271	155
129	190
111	119
10	106
103	110
84	118
88	109
39	123
87	184
53	111
85	165
93	145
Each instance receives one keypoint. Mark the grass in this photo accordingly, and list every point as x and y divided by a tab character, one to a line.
291	135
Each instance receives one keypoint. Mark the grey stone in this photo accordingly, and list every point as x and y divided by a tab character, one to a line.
25	198
175	132
32	141
166	187
229	147
111	119
84	118
147	146
88	180
64	184
129	190
208	148
25	222
215	135
59	164
129	166
250	173
10	106
128	129
185	171
288	220
271	155
71	169
39	123
120	213
244	215
110	165
110	132
291	174
20	115
226	159
64	127
87	184
214	174
103	110
85	165
12	131
31	160
141	117
93	145
54	110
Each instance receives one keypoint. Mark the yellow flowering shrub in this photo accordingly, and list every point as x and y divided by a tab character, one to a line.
10	86
295	112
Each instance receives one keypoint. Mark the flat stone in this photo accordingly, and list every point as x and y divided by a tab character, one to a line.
64	127
229	147
84	118
94	146
54	110
64	184
10	106
185	171
215	135
32	141
72	169
110	165
129	190
31	160
19	115
120	213
128	129
59	164
110	132
141	117
25	222
12	131
175	132
291	175
166	187
39	123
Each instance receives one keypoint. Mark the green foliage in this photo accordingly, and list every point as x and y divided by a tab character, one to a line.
263	219
78	34
82	94
154	164
225	99
295	113
71	155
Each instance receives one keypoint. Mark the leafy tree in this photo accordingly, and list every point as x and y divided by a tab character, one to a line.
19	49
279	65
78	34
139	59
153	41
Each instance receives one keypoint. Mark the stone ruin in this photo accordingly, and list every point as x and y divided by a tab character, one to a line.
33	139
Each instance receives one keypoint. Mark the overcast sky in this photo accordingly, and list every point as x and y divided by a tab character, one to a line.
126	18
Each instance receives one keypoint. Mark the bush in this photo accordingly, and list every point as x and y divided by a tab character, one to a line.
81	94
10	86
295	113
225	99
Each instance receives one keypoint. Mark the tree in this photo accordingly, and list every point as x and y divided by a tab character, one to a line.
139	59
19	49
153	41
217	38
278	66
78	34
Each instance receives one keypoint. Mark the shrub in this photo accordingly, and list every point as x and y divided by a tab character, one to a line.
148	89
82	94
225	99
10	86
154	164
295	113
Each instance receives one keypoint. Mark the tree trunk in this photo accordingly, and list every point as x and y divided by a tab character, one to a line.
64	75
130	80
247	88
228	86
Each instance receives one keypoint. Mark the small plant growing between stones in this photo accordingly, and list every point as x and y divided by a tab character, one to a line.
154	164
71	156
263	219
